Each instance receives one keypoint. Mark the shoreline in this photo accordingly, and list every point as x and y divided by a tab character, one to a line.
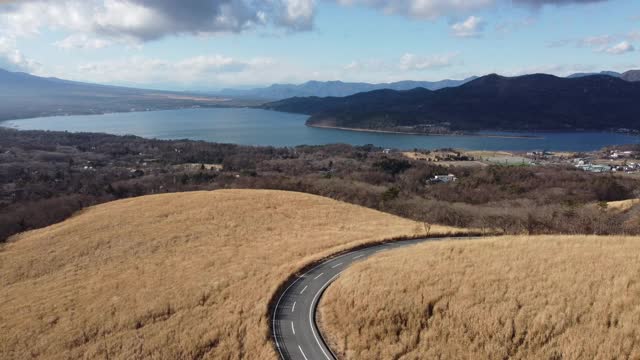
102	113
425	134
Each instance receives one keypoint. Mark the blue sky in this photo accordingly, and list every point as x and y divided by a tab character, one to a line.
212	44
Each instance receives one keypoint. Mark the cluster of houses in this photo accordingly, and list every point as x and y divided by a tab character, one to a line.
539	154
593	168
586	165
620	154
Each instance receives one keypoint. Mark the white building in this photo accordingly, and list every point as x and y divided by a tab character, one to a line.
444	178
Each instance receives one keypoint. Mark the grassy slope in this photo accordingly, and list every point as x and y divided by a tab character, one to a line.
171	276
622	205
521	298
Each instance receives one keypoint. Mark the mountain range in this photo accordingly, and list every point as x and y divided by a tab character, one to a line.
531	102
334	88
631	75
23	95
490	102
341	89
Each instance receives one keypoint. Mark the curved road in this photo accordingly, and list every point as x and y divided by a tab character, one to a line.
293	324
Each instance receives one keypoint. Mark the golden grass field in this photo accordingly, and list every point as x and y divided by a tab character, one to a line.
622	205
175	276
553	297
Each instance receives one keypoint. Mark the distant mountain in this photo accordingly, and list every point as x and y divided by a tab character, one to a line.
334	88
19	83
608	73
492	102
631	75
23	95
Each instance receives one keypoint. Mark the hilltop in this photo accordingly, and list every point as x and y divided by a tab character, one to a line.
492	102
174	276
631	75
552	297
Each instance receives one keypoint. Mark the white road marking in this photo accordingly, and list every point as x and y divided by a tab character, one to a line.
305	288
293	308
282	296
302	352
293	329
316	278
313	305
357	257
336	265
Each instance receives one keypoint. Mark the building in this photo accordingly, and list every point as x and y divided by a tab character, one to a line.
444	179
620	154
594	168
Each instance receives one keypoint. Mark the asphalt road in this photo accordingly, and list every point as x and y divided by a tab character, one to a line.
294	327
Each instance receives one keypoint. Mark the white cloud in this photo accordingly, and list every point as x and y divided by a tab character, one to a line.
412	62
538	3
471	27
81	41
596	41
298	14
425	9
143	69
510	26
408	62
432	9
367	66
620	48
563	69
12	59
554	69
146	20
218	71
206	71
611	44
634	36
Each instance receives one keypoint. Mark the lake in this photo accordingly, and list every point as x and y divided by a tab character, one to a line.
262	127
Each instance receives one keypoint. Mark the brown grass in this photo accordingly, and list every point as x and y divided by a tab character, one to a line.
176	276
622	205
488	154
548	297
431	158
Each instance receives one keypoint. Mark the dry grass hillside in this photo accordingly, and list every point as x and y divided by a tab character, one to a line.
519	298
176	276
622	205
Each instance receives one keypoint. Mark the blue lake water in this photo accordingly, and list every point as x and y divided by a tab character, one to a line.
261	127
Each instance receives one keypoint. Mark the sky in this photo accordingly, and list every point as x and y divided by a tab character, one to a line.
215	44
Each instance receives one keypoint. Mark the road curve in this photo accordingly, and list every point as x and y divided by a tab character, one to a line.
294	328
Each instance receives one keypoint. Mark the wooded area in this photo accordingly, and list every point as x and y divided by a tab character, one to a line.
47	176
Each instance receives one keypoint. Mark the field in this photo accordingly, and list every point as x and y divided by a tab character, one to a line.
622	205
551	297
176	276
440	158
